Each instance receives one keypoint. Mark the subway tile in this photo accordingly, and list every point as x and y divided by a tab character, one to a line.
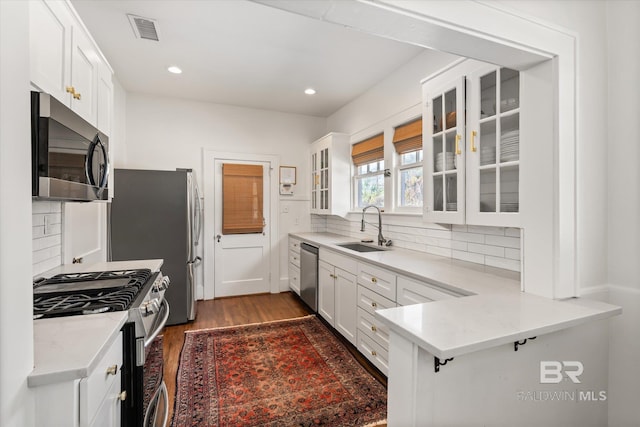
440	234
512	253
468	237
434	250
444	243
37	232
40	207
41	267
468	256
512	232
496	231
497	251
415	246
459	245
507	242
459	228
44	254
47	242
431	241
507	264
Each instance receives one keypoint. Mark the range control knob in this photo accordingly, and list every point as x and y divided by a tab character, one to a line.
162	285
150	307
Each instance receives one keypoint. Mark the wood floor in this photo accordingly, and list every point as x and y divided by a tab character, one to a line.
237	311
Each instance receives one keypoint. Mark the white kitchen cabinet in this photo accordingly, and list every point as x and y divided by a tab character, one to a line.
294	265
337	292
472	169
377	279
66	63
90	401
330	175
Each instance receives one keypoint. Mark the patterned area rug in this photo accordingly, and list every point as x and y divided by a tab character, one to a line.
284	373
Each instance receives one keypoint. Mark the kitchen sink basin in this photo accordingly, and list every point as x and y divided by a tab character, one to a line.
359	247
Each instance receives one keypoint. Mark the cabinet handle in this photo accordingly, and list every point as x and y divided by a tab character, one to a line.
295	258
373	328
111	370
373	353
374	304
76	96
122	396
317	179
374	280
458	151
473	141
70	89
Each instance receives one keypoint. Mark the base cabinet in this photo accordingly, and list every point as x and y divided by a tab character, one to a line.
294	265
91	401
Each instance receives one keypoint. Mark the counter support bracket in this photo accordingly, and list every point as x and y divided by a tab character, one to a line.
437	363
516	344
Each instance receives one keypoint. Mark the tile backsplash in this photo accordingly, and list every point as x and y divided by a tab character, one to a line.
46	235
492	246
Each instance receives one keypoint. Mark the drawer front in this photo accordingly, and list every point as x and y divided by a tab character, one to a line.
378	280
94	388
294	245
377	331
374	352
294	278
370	301
413	292
294	258
337	260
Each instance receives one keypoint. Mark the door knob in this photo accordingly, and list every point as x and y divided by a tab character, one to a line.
218	238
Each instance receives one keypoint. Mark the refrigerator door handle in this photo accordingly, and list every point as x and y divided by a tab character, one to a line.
191	288
198	214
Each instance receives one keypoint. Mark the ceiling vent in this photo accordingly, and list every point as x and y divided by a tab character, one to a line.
144	28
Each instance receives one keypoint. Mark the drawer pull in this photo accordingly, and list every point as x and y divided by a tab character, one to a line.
112	370
373	328
374	280
374	304
373	353
122	396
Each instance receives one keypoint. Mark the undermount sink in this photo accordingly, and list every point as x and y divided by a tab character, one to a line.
359	247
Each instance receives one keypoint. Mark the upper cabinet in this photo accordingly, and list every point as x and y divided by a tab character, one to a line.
67	64
330	172
472	156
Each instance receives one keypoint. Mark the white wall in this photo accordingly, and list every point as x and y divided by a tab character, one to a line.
16	311
164	133
624	208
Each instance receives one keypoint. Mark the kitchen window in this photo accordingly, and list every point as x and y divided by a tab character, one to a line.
407	141
368	160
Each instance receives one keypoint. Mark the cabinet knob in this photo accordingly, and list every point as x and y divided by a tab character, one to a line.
373	328
70	89
374	280
112	370
122	396
374	304
373	353
77	96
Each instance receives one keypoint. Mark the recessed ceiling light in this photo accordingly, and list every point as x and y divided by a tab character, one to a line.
310	91
175	70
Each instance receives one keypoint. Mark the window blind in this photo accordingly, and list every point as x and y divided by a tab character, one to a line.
408	137
242	199
369	150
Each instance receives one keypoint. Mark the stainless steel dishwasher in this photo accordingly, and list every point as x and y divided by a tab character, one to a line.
309	275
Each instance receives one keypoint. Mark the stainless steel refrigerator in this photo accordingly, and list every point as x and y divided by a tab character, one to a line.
156	214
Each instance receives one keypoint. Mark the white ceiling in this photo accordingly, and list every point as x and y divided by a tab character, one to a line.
241	53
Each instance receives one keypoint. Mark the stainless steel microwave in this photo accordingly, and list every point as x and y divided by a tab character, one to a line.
70	158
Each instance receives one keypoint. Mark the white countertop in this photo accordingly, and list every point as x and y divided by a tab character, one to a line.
494	312
68	348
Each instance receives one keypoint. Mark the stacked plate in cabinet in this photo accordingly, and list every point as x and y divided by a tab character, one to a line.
510	146
487	154
442	165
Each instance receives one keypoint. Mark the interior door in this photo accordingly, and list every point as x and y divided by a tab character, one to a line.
242	255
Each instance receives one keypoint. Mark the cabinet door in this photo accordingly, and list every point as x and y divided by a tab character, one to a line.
346	304
493	158
108	414
315	156
84	76
105	99
326	292
50	27
444	151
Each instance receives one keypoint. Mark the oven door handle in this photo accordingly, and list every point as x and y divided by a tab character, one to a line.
164	312
152	409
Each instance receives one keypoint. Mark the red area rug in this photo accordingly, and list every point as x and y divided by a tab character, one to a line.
284	373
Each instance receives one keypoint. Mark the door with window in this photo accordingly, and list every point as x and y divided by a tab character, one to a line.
242	241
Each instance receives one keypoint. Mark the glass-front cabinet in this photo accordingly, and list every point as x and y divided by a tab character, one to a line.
330	172
493	158
444	168
472	149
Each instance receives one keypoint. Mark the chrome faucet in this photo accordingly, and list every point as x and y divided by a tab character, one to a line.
381	240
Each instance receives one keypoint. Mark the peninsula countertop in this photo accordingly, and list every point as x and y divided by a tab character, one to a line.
492	311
